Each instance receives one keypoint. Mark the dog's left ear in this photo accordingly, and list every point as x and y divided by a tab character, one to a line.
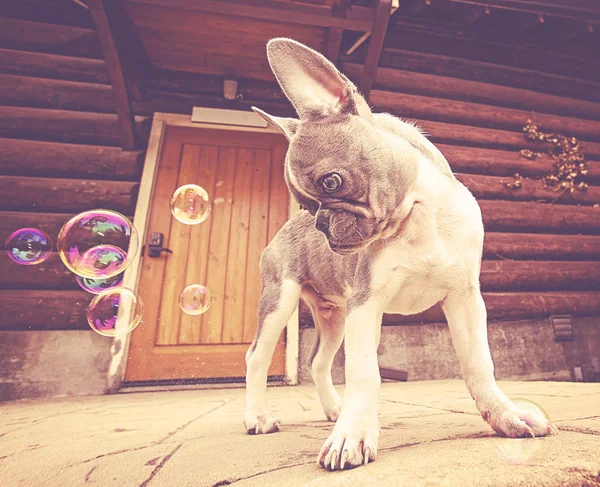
287	125
312	83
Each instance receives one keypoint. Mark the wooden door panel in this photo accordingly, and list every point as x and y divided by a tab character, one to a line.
243	174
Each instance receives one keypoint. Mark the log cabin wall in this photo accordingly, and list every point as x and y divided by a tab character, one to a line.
59	155
471	76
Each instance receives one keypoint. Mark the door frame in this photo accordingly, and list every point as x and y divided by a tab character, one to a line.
160	123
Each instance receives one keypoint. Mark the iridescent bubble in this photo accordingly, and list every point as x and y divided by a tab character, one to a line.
115	312
190	205
195	299
520	451
98	243
28	246
96	286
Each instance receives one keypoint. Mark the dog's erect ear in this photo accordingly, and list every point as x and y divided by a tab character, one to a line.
287	125
313	84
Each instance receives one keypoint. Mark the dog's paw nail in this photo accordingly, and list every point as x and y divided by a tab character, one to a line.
344	459
367	455
334	456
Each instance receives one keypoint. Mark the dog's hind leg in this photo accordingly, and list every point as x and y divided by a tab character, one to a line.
329	324
278	300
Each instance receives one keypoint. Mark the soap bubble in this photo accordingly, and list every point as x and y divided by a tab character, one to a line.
98	243
96	286
189	204
115	312
195	299
28	246
520	451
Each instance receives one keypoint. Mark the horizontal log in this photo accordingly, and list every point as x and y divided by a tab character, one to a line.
465	135
494	188
19	193
43	310
35	158
505	306
53	66
524	246
474	160
61	125
27	91
54	12
458	67
518	55
479	115
50	223
43	37
475	91
509	216
513	275
51	274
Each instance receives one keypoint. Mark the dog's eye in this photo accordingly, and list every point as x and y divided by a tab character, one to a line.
331	182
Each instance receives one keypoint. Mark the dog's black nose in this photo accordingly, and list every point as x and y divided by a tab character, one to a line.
322	223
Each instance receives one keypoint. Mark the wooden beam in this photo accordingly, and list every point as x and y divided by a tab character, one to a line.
59	125
127	129
505	306
537	246
332	43
494	188
570	9
438	86
53	66
52	275
474	13
18	193
53	159
380	23
44	310
358	18
479	114
523	78
529	217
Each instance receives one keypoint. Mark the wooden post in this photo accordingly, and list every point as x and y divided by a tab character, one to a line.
380	23
127	130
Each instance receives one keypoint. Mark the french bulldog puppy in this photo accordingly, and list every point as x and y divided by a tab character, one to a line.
386	228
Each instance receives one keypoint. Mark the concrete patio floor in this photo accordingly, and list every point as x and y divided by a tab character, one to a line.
431	435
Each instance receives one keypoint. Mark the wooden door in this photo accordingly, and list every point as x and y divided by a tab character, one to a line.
243	175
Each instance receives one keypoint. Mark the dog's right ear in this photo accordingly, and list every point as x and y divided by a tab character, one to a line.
287	125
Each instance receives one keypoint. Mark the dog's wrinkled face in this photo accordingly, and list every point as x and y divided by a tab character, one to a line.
340	165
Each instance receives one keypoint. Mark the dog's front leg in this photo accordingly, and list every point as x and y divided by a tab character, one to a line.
356	433
466	315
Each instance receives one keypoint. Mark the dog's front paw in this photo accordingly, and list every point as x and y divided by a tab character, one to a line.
515	422
262	423
353	442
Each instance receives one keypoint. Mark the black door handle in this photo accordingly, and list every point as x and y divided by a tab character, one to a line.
155	246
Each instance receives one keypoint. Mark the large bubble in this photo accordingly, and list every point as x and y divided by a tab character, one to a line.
115	312
195	299
96	286
98	243
190	205
28	246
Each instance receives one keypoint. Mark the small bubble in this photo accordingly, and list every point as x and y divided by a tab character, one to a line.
28	246
115	312
195	299
190	204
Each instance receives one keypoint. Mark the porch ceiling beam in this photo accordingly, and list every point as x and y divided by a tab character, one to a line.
382	17
106	31
357	18
586	10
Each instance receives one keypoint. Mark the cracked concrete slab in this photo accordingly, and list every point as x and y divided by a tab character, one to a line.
431	435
